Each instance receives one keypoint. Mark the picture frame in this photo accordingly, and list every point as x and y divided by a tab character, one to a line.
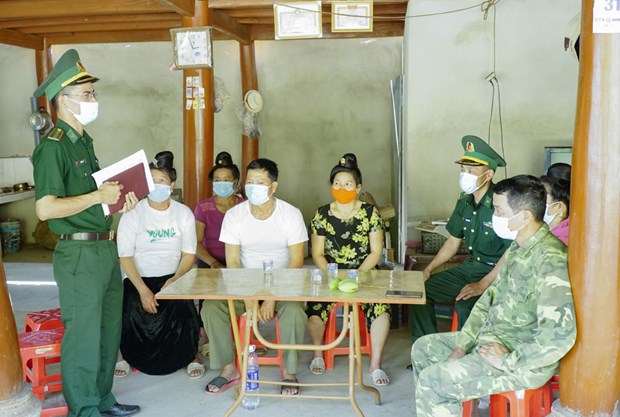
192	47
352	16
298	20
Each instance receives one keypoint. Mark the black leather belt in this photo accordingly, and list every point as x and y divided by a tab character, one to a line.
88	236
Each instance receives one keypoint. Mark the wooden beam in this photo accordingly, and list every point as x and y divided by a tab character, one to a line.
381	30
111	37
378	10
11	9
103	27
229	26
325	19
235	4
75	20
16	38
182	7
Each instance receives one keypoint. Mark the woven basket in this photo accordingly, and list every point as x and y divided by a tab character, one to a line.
432	242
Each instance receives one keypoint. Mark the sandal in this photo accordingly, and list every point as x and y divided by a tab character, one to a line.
204	350
195	370
291	387
317	366
221	383
121	370
378	375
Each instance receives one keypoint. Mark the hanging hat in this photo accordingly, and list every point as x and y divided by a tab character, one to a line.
479	153
68	70
253	101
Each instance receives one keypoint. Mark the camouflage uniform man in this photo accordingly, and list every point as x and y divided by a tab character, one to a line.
519	329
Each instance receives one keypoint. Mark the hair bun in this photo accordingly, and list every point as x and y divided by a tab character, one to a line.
348	160
164	159
223	159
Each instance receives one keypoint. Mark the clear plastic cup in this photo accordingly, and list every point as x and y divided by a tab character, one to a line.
267	265
353	274
317	276
332	271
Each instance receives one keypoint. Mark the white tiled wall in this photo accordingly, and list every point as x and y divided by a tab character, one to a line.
15	170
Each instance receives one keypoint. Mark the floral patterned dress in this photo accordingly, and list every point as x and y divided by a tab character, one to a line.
347	243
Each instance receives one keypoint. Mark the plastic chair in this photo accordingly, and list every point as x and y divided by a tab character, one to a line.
555	382
59	411
523	403
455	322
42	320
36	348
330	336
262	360
466	406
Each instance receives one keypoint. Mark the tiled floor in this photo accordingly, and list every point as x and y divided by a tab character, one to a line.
32	288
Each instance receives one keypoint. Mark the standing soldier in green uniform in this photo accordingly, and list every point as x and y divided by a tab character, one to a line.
86	266
470	220
519	329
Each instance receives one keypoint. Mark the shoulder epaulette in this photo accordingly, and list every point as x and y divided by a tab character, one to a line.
56	134
488	201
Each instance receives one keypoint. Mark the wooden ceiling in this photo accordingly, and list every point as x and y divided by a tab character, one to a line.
37	24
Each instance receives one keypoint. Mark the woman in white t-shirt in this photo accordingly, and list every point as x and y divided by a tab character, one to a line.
156	246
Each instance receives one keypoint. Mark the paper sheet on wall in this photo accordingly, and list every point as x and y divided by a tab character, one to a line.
606	16
133	172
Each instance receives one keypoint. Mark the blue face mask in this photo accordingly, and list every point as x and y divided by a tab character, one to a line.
160	193
257	194
223	188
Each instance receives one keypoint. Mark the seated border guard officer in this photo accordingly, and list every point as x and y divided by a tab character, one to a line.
86	266
471	220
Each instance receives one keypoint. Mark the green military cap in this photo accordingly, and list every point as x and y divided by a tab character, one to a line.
68	70
479	153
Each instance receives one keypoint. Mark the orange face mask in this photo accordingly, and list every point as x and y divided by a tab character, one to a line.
343	196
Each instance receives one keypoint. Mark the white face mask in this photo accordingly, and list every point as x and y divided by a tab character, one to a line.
549	217
468	182
257	194
501	229
88	111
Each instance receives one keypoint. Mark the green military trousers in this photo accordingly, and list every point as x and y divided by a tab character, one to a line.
441	385
216	318
91	296
442	288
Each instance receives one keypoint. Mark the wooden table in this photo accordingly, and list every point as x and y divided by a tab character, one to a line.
295	285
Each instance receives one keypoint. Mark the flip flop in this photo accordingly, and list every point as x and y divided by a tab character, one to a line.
121	370
194	367
377	375
317	363
283	387
221	383
204	350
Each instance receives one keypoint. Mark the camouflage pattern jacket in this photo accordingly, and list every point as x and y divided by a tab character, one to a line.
529	308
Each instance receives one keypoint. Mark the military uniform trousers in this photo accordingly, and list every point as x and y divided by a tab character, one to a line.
441	385
442	288
216	318
91	296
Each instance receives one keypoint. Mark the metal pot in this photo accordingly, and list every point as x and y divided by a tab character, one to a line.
22	186
40	120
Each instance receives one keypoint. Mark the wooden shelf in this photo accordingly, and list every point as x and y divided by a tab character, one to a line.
15	196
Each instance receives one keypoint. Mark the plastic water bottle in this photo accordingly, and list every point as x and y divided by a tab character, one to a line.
251	403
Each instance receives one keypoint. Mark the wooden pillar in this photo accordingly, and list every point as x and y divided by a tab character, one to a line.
198	125
590	373
43	62
15	398
249	81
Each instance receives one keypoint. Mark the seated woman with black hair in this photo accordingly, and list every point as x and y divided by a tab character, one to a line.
558	204
156	246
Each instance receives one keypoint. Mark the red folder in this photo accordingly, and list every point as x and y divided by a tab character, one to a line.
132	179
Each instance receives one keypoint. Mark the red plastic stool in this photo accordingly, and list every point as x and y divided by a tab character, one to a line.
262	360
35	348
42	320
59	411
555	382
330	336
466	406
455	321
523	403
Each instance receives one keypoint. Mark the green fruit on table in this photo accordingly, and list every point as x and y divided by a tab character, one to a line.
333	284
347	285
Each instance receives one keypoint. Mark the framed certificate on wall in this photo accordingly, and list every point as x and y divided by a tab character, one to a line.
352	16
299	20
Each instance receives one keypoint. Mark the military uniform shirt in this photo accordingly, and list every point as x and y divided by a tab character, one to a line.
473	222
64	163
529	308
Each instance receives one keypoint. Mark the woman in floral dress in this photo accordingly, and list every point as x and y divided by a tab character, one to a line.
348	232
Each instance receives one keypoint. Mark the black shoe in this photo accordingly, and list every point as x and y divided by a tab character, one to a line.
410	367
121	410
